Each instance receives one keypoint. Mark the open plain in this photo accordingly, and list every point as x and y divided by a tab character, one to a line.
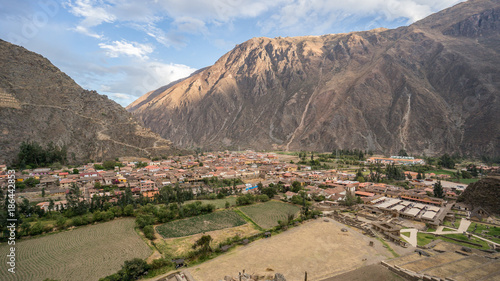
318	247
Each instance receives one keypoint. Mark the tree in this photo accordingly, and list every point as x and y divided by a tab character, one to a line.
402	152
133	269
128	210
149	232
203	244
447	161
296	186
51	205
43	192
227	205
438	190
466	175
75	171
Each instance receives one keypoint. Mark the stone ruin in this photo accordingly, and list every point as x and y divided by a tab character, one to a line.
255	277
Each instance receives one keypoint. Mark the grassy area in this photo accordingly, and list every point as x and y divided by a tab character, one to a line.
448	229
424	238
209	222
50	223
70	254
490	231
457	223
388	247
407	234
266	215
442	172
462	237
219	203
468	181
431	229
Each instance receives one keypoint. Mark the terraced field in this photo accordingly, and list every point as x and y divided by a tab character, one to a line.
266	215
209	222
86	253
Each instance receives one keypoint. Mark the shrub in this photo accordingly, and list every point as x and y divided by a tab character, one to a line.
149	232
36	229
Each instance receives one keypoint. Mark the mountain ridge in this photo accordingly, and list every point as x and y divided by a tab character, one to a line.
430	87
40	103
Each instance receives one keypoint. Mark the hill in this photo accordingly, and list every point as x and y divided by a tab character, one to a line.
484	193
431	87
40	103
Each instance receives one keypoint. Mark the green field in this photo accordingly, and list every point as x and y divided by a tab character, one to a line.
85	253
462	237
266	215
489	231
209	222
424	239
442	172
219	203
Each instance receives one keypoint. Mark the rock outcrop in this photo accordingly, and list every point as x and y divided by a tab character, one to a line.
485	194
431	87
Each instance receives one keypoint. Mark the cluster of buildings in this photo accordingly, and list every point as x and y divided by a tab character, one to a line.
251	167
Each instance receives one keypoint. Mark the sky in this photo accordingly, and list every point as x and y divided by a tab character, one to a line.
126	48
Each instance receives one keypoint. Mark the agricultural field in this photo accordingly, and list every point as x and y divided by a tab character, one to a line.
219	203
85	253
181	246
204	223
266	215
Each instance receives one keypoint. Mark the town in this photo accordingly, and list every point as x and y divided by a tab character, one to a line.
399	199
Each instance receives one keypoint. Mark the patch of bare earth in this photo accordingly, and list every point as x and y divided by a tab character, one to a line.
318	247
181	246
373	272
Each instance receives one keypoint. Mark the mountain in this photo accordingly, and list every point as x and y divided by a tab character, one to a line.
431	87
40	103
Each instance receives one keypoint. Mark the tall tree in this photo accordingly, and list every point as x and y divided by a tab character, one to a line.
438	190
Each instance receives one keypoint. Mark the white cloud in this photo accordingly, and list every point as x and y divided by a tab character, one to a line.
83	30
156	74
132	49
190	25
94	12
319	16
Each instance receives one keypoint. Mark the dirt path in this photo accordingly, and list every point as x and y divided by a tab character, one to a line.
318	247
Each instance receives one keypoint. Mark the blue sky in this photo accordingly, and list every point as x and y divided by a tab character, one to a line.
125	48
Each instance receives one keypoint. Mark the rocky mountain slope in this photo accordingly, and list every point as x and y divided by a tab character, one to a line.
40	103
430	87
485	194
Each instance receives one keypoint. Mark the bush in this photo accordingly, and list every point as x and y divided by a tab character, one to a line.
108	215
36	229
246	199
162	262
77	221
263	198
149	232
133	269
61	222
143	220
128	210
97	216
